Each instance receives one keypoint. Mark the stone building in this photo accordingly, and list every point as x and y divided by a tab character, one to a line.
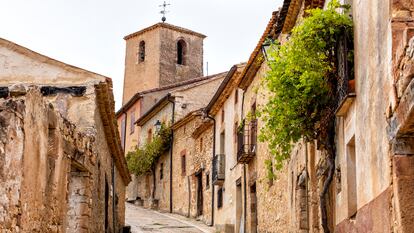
161	55
62	167
174	106
370	190
287	201
192	154
158	59
224	110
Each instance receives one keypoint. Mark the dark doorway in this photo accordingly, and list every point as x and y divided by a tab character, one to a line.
253	208
106	205
199	194
239	206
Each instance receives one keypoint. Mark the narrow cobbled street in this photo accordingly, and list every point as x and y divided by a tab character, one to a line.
144	220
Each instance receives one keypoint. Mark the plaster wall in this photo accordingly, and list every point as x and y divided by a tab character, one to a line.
225	217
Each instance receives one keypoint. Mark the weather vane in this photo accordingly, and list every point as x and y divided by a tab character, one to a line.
163	12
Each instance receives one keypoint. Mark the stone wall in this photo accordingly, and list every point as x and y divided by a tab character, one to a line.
198	153
47	146
160	66
170	71
138	72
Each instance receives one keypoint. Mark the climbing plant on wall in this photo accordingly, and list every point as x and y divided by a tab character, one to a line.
142	159
302	83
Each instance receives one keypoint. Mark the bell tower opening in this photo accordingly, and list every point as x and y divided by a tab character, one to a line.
181	52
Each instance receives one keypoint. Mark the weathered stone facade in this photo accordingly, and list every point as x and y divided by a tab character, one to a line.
49	171
159	66
372	187
192	154
69	173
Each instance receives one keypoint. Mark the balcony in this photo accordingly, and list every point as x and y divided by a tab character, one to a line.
345	91
247	142
219	169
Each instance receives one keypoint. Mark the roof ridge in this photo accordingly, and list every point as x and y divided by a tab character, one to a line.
46	59
165	25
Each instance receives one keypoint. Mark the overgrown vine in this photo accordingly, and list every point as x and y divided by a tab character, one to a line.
302	84
142	160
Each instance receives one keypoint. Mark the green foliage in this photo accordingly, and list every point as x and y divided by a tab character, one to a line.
142	160
269	167
301	81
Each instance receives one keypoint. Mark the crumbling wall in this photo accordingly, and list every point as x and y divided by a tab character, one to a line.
47	168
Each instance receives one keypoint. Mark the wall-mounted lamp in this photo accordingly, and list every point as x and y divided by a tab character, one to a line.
266	47
157	126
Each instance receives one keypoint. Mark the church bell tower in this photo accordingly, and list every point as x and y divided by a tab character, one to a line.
161	55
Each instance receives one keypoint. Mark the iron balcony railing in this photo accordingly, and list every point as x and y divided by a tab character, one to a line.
247	142
219	169
345	86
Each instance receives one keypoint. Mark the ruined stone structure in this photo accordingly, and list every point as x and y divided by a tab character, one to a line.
62	168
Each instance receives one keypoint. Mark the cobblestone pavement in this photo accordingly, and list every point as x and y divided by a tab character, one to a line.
144	220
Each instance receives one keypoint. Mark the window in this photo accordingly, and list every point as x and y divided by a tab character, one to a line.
183	162
220	198
351	177
181	52
123	122
149	136
253	109
235	131
132	122
236	96
141	51
161	171
201	144
222	142
222	115
207	180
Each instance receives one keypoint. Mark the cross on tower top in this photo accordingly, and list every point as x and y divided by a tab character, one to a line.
163	11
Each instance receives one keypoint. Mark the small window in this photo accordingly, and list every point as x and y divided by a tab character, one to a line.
181	52
183	163
132	122
236	96
253	109
141	51
222	142
149	136
235	131
161	171
201	144
222	115
123	122
207	180
220	198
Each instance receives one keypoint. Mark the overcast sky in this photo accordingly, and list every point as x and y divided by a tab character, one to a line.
89	33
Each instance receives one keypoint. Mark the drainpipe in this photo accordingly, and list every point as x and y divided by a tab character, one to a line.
244	175
171	153
211	172
113	195
125	130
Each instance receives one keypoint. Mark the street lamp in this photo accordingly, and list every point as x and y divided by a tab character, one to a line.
157	126
266	47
